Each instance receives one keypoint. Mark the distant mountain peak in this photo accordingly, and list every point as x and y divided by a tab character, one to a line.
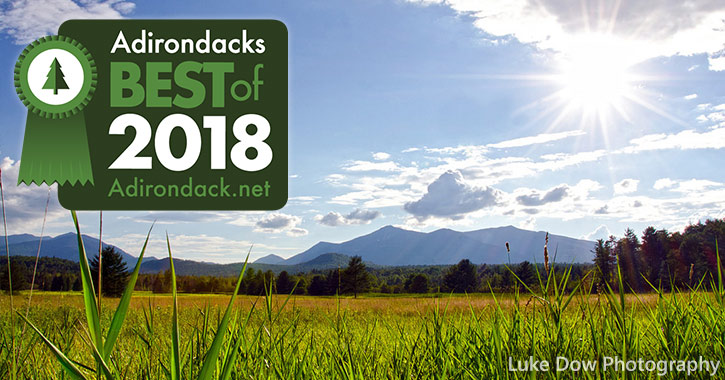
440	230
63	246
390	227
392	245
270	259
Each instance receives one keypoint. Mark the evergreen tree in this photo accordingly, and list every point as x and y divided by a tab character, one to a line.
461	277
525	273
77	284
246	281
114	275
629	259
417	283
604	260
268	283
694	257
654	252
334	282
355	279
57	284
301	287
318	286
284	283
19	275
56	79
257	283
161	282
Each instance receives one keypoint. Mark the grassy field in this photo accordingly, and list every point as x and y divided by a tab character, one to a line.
479	336
444	337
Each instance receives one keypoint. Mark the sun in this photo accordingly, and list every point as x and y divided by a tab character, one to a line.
595	82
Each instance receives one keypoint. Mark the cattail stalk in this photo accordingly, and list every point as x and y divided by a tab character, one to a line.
508	252
546	255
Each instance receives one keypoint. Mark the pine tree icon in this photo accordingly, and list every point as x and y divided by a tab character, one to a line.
56	79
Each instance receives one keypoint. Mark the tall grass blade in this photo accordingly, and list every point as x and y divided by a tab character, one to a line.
720	286
233	352
120	315
175	365
100	260
67	365
207	369
14	363
103	367
89	297
37	257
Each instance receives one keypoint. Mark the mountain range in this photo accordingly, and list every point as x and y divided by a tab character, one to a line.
395	246
388	246
62	246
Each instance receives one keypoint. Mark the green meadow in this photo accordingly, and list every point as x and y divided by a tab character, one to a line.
398	337
548	327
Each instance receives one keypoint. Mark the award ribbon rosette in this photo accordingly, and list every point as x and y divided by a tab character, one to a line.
157	114
55	77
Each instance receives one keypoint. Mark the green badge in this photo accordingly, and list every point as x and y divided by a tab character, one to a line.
158	114
55	77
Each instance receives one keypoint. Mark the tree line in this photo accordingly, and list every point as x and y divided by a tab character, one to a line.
357	278
656	259
53	274
660	259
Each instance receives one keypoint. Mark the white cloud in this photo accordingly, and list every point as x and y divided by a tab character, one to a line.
197	247
601	232
174	217
538	139
358	216
410	184
25	205
332	219
558	161
26	20
690	97
302	200
537	198
366	166
695	185
584	187
296	232
361	216
528	224
663	183
684	140
334	178
279	222
626	186
714	114
378	197
716	63
381	156
564	201
632	31
451	197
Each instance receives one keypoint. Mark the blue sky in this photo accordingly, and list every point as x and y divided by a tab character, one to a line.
427	114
